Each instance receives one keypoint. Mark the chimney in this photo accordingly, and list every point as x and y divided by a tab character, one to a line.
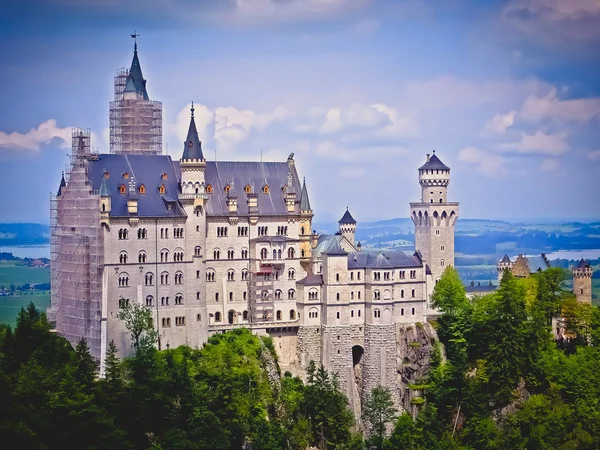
427	157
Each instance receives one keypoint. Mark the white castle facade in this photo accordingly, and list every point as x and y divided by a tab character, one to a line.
210	246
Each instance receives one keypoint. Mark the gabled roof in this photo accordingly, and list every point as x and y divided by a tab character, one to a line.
304	201
334	249
347	218
192	148
135	73
506	259
434	163
63	184
536	263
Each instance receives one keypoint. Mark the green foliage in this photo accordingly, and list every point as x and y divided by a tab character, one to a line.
138	321
378	410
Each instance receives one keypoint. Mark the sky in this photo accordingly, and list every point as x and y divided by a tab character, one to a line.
506	92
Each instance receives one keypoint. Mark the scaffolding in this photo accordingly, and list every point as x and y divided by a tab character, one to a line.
76	252
135	123
261	285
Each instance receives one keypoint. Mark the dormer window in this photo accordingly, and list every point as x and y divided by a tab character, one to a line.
227	189
164	176
122	189
142	189
126	176
161	189
265	189
209	189
190	144
247	189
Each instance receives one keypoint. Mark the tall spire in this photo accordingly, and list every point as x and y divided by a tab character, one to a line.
192	148
63	184
304	201
135	73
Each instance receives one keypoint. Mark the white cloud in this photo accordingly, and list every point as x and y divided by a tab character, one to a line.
488	164
500	122
43	134
594	155
550	165
286	10
550	106
538	143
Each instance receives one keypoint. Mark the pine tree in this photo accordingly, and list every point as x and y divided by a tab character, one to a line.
378	411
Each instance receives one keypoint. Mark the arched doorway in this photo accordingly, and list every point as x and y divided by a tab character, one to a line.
357	385
232	317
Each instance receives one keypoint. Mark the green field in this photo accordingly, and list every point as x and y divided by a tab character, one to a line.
15	272
11	305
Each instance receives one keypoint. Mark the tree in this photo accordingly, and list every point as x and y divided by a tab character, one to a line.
404	435
378	411
139	323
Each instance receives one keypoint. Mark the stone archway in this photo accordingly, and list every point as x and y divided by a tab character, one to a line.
231	317
357	380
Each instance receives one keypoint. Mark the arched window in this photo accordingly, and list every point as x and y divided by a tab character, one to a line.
245	315
263	253
413	311
103	207
227	189
210	275
313	313
377	313
337	277
413	293
217	316
292	314
313	294
376	295
301	230
179	299
197	250
401	311
149	300
402	293
123	279
278	315
230	296
123	258
442	263
244	274
278	294
291	274
179	278
216	254
142	257
337	296
149	279
209	189
291	294
230	275
352	313
291	252
337	315
279	254
358	295
359	313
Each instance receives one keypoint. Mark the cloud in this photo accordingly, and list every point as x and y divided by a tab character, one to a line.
594	155
488	164
43	134
500	122
555	21
550	165
538	143
551	107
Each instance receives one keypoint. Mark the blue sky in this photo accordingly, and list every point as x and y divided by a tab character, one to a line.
507	92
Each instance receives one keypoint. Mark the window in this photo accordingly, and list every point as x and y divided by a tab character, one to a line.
401	311
337	316
164	301
216	296
142	257
197	274
376	276
352	313
180	321
161	189
245	315
244	295
302	230
197	295
278	294
413	274
142	189
359	313
149	279
291	274
278	315
337	277
413	293
123	233
197	251
178	233
291	252
402	293
376	295
337	296
442	263
377	313
242	231
291	294
313	314
313	294
437	232
123	258
166	322
123	302
210	275
244	253
178	256
217	316
230	253
198	317
227	189
442	247
247	189
230	275
352	295
265	189
164	278
123	280
413	311
122	189
351	276
358	276
179	299
263	253
149	300
230	296
216	254
244	274
209	190
142	233
179	278
359	295
402	274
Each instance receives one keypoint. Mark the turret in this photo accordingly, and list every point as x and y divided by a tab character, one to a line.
290	193
582	282
434	178
348	226
192	165
105	201
504	264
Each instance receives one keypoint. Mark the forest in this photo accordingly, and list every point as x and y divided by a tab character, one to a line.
498	380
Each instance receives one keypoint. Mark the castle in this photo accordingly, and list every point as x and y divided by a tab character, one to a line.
210	246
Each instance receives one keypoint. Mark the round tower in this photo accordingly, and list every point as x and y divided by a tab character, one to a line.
504	264
434	217
582	282
347	226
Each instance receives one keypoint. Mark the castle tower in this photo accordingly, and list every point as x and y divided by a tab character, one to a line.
193	199
434	217
135	120
306	215
582	282
348	226
504	264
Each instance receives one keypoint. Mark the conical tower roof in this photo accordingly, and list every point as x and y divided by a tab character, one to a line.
192	148
434	163
63	184
506	259
347	218
304	201
583	264
135	73
104	191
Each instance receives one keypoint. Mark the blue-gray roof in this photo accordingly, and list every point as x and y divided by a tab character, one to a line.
135	73
334	248
347	218
148	171
583	264
311	280
256	175
537	263
434	163
506	259
63	184
369	259
192	148
104	191
304	201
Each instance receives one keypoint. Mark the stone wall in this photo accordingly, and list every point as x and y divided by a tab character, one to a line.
309	345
